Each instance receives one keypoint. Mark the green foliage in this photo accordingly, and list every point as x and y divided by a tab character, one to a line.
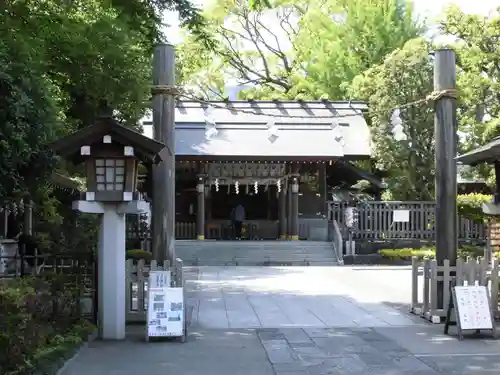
335	49
430	252
408	253
39	323
470	205
405	76
138	254
59	62
295	49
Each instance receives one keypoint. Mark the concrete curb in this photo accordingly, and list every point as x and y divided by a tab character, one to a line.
91	338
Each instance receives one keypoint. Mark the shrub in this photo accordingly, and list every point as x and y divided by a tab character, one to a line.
138	254
39	323
470	206
430	253
407	253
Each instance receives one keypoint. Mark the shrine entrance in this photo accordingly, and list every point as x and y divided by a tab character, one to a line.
259	187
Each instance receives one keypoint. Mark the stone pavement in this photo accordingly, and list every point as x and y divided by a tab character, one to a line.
296	321
272	297
419	350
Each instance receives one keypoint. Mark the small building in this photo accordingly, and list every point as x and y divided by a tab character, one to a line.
253	152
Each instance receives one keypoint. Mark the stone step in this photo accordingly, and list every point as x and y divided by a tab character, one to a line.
255	253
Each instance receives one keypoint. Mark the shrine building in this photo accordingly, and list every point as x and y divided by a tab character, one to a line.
279	159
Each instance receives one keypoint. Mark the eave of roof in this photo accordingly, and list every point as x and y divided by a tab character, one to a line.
489	153
147	149
303	129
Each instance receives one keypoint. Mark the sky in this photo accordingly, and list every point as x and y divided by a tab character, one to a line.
425	8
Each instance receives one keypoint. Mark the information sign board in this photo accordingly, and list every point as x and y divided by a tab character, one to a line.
165	317
472	310
401	216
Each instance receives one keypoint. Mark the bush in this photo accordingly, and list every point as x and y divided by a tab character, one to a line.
430	253
138	254
39	323
407	253
470	206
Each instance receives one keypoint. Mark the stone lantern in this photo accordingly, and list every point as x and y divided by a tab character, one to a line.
110	153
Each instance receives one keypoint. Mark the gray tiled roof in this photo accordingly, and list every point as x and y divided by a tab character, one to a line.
242	134
488	153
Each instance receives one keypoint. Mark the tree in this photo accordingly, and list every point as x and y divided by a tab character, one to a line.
477	46
297	49
250	49
59	61
404	77
340	39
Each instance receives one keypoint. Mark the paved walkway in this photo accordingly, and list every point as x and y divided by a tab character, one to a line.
290	321
271	297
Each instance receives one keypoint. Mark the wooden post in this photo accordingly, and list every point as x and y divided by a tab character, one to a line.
28	218
282	213
200	211
445	131
294	218
163	207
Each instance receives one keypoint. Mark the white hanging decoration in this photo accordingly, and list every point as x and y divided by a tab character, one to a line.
272	130
256	187
237	187
278	185
397	126
210	124
338	135
216	184
209	116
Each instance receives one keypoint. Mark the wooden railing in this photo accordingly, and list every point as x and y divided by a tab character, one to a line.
375	221
137	274
426	275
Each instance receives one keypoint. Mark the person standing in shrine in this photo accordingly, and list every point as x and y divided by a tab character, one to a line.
238	217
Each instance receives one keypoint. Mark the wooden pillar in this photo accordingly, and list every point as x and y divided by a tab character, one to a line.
200	212
282	213
163	207
446	151
28	218
294	216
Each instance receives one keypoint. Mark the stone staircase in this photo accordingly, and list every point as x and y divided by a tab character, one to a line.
255	253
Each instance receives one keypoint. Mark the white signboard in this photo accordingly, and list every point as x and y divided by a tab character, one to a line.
349	217
472	307
401	216
165	306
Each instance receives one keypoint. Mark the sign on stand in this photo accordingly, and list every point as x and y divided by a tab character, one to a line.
401	216
165	307
472	310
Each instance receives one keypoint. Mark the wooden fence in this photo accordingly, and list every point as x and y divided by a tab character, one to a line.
427	274
137	274
374	221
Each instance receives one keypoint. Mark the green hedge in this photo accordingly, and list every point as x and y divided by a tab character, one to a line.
40	325
470	205
430	252
138	254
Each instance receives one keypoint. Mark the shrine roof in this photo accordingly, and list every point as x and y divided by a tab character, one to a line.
325	130
489	153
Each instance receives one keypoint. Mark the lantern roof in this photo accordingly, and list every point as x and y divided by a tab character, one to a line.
145	149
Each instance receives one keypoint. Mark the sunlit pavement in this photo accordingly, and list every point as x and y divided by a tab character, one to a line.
293	321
